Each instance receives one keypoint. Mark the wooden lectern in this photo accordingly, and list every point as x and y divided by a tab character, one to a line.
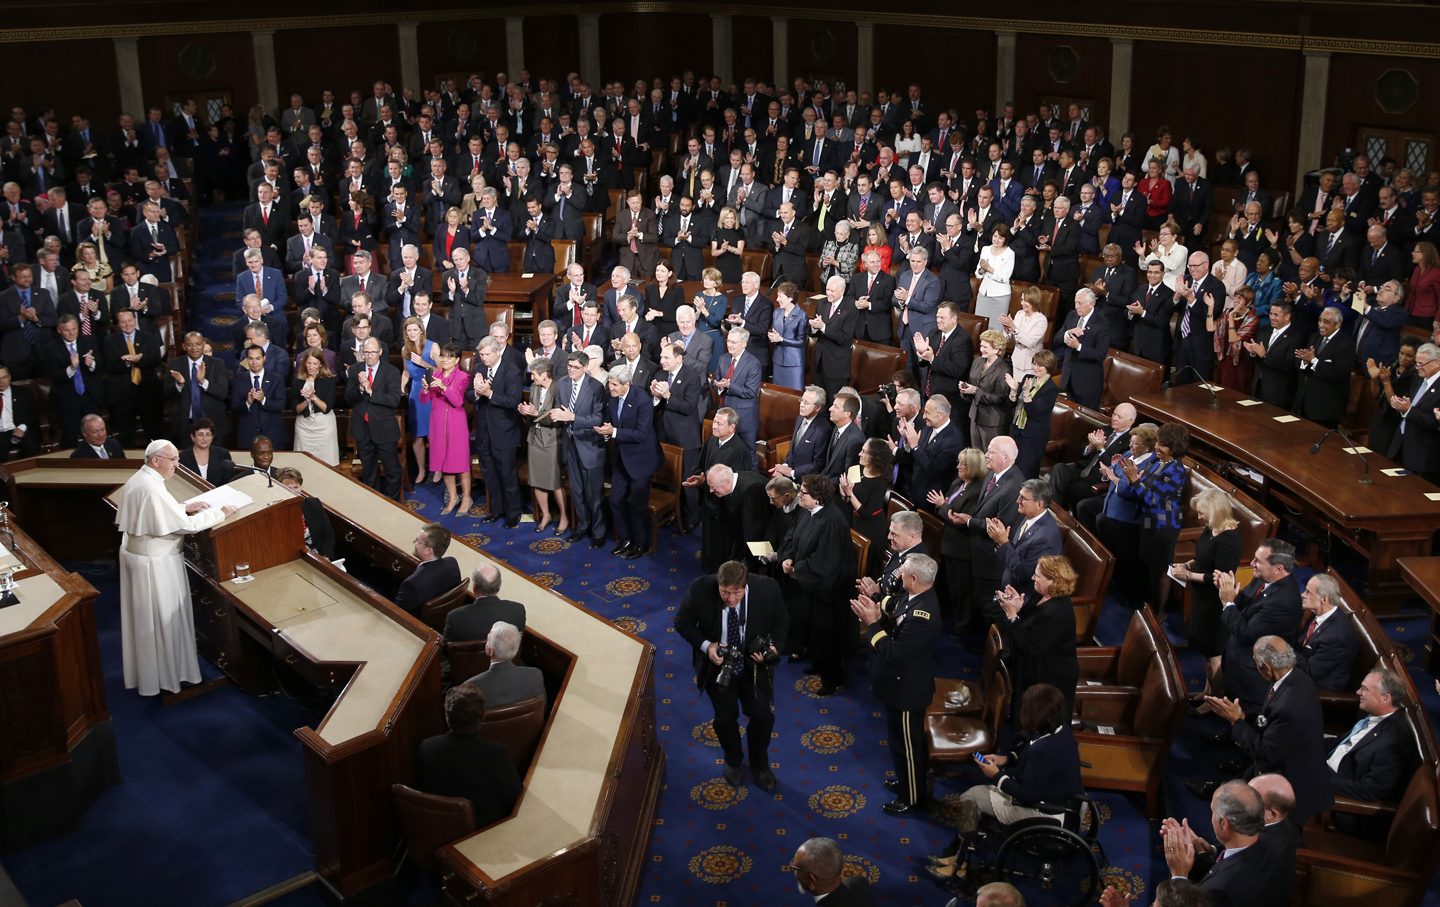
264	534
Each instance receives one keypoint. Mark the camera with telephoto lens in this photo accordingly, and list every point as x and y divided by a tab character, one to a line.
731	662
887	392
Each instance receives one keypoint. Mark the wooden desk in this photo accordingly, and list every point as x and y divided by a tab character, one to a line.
1386	521
57	752
1423	575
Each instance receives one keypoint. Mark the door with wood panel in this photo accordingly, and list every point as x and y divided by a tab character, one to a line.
1411	149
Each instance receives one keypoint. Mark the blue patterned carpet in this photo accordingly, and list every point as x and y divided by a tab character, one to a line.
212	807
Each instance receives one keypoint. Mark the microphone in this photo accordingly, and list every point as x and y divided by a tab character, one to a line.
1365	479
1214	399
270	479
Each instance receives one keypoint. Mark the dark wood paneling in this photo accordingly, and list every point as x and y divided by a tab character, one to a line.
309	60
1351	103
644	45
955	67
1033	81
1265	120
491	49
753	54
160	73
552	46
89	87
806	37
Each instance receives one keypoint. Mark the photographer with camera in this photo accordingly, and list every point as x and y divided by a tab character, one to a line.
905	676
736	622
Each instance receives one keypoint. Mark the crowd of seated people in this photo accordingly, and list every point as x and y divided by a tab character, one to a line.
1006	256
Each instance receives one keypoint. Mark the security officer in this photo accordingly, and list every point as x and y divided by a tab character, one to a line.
736	609
905	676
906	538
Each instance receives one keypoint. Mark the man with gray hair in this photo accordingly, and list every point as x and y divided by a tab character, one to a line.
1326	362
1270	605
751	312
630	423
905	676
931	451
491	228
1086	336
1288	734
1369	763
463	289
819	866
1200	299
1378	335
810	439
496	391
1244	872
906	537
157	623
473	621
1417	445
1034	536
834	330
699	346
505	682
723	447
1328	646
737	380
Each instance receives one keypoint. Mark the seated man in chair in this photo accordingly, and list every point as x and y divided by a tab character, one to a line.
435	573
504	681
462	764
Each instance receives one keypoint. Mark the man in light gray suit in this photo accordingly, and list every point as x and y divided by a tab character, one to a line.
699	346
737	381
506	682
919	290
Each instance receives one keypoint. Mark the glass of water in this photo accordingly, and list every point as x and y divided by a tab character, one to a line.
242	573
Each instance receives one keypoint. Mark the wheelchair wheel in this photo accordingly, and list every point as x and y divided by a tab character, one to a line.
1049	865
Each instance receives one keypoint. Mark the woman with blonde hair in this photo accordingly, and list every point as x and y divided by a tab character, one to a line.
1218	548
875	242
87	258
727	246
988	393
1167	250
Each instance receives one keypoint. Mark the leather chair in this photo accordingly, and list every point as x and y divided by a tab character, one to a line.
1124	665
1088	264
501	311
516	726
564	255
895	502
433	612
954	696
812	268
955	739
665	499
1094	564
1126	376
1070	428
758	261
49	427
779	407
594	244
1144	722
467	659
974	325
431	822
861	546
872	365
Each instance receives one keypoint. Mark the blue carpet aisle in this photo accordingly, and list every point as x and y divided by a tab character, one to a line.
212	807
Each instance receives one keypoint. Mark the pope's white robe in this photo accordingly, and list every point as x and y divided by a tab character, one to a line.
156	624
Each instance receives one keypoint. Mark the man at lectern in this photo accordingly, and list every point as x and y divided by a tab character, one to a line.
156	623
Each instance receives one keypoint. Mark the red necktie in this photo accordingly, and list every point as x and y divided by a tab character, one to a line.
257	287
264	215
1310	631
728	375
370	379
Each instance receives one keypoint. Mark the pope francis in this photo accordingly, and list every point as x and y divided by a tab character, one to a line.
156	623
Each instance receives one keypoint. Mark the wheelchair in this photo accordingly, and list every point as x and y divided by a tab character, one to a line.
1050	860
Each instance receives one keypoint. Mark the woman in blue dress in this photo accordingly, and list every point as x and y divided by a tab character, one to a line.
711	307
419	356
787	332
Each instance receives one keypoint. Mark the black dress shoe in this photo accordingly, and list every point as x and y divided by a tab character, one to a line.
1202	789
899	807
734	774
512	524
765	780
633	553
576	537
621	548
490	517
892	785
1231	766
1220	739
597	543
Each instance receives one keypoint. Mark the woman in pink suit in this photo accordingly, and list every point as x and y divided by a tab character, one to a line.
449	430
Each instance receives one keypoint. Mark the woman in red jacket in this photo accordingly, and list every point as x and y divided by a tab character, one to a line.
1423	303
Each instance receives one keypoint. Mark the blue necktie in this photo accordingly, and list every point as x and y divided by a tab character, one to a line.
79	379
1359	725
27	328
618	402
195	410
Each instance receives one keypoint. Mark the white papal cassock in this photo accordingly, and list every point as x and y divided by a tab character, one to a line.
156	624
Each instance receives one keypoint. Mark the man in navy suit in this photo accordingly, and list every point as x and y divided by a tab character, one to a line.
434	574
1328	645
1270	605
1034	536
918	291
580	407
1417	444
1369	762
73	363
258	399
737	380
1007	191
266	283
539	233
96	443
1378	336
1198	295
1288	733
491	228
1091	216
496	392
750	311
681	397
931	450
152	242
1246	870
810	439
1087	338
372	388
619	286
630	422
1127	214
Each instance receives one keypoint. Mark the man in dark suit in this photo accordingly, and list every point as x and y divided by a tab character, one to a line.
1338	245
872	290
819	865
735	610
630	421
1071	483
1270	605
681	398
931	451
1277	371
1087	338
1034	535
96	443
462	764
947	354
1199	297
997	501
85	303
737	378
474	620
130	358
27	322
1382	261
918	290
539	233
198	387
834	329
846	439
1127	216
571	295
1060	239
1113	284
1327	647
257	398
1287	735
809	440
1417	444
905	676
1377	335
73	364
496	392
788	238
688	235
22	438
1191	205
1369	762
268	217
297	247
372	389
1325	365
434	573
580	407
1245	870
